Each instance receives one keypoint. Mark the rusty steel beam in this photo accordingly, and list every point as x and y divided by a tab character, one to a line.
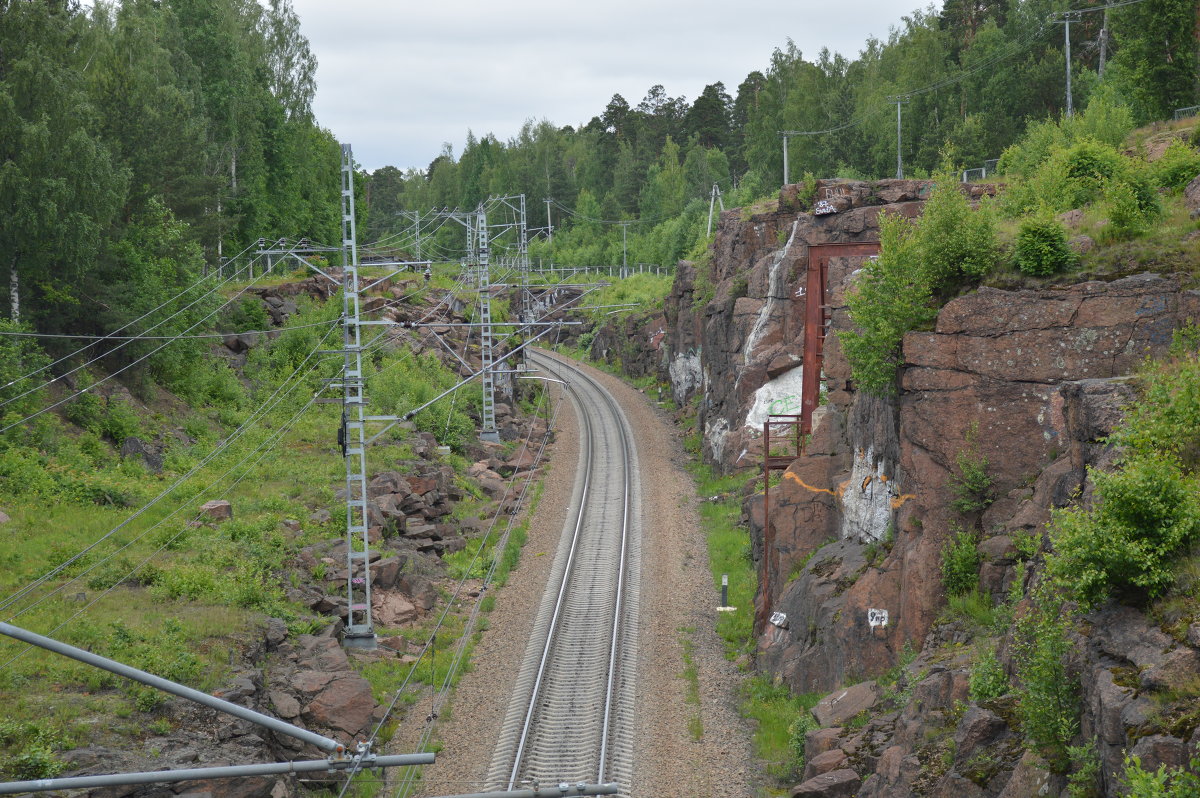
815	319
772	463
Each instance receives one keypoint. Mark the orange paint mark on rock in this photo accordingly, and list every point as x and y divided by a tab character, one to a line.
806	486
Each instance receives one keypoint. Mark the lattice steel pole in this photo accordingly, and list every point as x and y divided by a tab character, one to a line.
488	430
523	265
360	632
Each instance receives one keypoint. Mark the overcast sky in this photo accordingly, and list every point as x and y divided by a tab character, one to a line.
398	78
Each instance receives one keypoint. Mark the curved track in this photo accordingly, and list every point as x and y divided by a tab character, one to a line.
571	715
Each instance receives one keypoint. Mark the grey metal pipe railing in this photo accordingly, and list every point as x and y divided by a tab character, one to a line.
224	772
219	704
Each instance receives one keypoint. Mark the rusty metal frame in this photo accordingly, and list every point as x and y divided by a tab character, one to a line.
816	326
774	463
816	319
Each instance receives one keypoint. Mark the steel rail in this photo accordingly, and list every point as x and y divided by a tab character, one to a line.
617	619
527	725
617	605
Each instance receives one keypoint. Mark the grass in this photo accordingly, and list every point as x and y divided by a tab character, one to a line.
691	676
176	600
776	712
973	607
728	553
645	290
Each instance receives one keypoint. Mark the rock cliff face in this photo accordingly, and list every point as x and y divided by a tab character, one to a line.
1031	380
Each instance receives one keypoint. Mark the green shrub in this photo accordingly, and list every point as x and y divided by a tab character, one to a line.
988	679
1145	513
955	241
221	386
1084	779
1072	176
120	422
1162	783
1042	248
1167	419
1124	216
37	742
797	736
36	762
249	313
960	563
1177	166
1131	209
86	411
889	298
1088	167
972	485
1048	694
19	357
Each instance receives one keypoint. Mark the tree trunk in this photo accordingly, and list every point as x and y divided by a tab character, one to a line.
14	296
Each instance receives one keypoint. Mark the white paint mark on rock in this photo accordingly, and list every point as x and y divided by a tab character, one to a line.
867	499
715	434
774	291
877	617
686	375
779	396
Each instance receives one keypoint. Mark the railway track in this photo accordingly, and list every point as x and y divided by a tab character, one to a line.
570	718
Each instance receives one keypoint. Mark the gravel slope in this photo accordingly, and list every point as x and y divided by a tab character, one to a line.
678	600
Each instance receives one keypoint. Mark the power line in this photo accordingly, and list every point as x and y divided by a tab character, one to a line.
127	324
115	349
121	370
254	418
163	337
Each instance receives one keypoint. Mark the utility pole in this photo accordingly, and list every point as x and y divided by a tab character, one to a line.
417	225
522	261
549	223
1103	43
899	100
624	248
714	196
784	135
1065	21
360	632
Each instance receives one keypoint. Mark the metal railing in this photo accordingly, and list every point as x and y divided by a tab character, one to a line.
989	167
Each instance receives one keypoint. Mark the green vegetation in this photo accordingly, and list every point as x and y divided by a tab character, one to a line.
949	246
972	485
691	676
136	144
1070	164
888	300
644	291
728	553
635	179
960	562
988	679
1041	248
1162	783
1146	510
782	721
1048	692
